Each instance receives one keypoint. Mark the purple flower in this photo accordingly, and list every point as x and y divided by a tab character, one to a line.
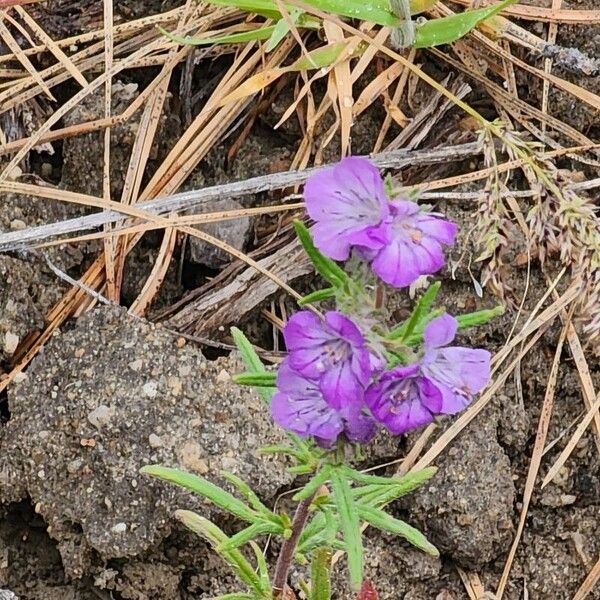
443	381
415	244
299	406
332	352
349	205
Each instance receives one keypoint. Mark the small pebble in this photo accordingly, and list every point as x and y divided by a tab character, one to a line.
150	389
119	528
155	441
101	416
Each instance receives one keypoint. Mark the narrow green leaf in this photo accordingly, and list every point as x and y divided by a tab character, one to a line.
204	488
210	532
251	360
365	478
417	336
374	11
282	29
253	500
261	563
324	56
350	524
301	469
385	522
321	531
378	496
260	33
256	379
480	317
320	575
327	268
421	309
249	533
314	484
449	29
317	296
265	8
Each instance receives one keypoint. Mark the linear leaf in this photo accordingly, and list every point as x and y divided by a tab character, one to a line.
326	267
480	317
350	524
282	29
260	33
245	490
314	484
378	496
256	379
421	309
449	29
317	296
210	532
251	360
202	487
320	575
385	522
249	533
261	563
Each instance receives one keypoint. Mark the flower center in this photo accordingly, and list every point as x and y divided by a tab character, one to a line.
415	235
334	352
400	394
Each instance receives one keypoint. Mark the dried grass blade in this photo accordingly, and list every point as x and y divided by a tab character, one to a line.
536	457
52	46
590	582
22	58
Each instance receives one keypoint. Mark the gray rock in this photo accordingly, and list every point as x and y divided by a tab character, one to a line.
234	232
466	509
7	595
85	481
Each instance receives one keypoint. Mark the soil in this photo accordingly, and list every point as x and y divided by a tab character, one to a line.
111	393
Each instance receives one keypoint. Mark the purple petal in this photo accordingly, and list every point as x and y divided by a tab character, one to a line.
359	428
404	208
452	400
440	331
340	387
306	416
303	330
472	366
427	255
395	265
348	204
431	397
437	228
290	381
344	328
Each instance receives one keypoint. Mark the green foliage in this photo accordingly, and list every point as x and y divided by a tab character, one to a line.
449	29
200	486
421	310
317	296
256	379
326	267
320	575
234	558
350	525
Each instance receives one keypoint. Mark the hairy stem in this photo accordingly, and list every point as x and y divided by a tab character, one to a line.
286	555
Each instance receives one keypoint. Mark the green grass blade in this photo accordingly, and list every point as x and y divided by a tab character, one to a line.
204	488
261	33
449	29
350	525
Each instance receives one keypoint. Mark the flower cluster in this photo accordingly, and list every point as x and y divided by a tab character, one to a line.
333	380
352	212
